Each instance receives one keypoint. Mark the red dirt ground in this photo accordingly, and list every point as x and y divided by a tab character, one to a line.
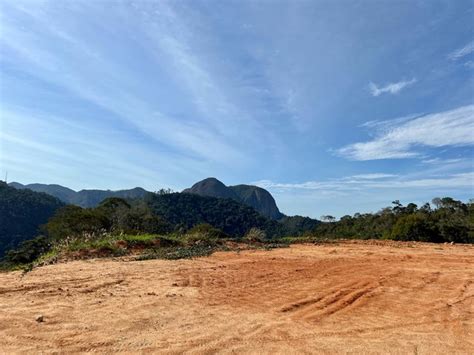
362	297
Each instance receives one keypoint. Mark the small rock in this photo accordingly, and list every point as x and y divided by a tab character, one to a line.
40	319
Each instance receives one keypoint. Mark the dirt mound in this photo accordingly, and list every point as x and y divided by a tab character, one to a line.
353	296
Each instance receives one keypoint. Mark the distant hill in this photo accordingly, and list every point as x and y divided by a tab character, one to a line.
253	196
21	214
83	198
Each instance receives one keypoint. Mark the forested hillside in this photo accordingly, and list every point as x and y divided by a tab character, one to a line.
83	198
21	214
185	210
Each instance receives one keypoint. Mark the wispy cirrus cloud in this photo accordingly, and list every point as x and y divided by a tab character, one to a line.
390	88
469	64
337	184
448	128
377	181
85	69
373	176
350	194
461	52
94	150
442	161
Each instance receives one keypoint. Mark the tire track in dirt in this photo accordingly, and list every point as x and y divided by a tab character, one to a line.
362	297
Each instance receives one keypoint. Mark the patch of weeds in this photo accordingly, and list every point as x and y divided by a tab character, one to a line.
27	268
267	245
255	235
78	244
175	253
200	240
8	267
146	241
51	257
303	240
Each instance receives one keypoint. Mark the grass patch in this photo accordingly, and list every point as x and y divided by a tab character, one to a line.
175	253
147	241
301	240
195	243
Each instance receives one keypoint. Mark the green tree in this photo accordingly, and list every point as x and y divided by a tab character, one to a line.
74	221
415	227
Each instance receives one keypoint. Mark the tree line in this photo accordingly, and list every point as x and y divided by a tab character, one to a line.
444	220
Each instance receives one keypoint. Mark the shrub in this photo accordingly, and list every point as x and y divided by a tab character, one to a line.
203	234
207	230
255	235
28	251
147	241
74	221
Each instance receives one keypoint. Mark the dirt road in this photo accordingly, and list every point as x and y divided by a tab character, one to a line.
360	297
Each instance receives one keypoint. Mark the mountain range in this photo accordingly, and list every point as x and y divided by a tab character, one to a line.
83	198
256	197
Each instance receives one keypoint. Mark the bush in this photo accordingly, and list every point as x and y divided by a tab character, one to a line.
28	251
74	221
255	235
147	241
203	234
207	230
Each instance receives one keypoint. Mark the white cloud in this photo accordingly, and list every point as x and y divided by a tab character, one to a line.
461	52
441	161
84	69
85	148
387	124
376	181
469	64
391	88
339	184
448	128
373	176
462	180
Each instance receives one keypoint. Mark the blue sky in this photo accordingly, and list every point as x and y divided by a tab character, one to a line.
335	107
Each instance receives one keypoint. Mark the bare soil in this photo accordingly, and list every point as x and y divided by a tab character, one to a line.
360	297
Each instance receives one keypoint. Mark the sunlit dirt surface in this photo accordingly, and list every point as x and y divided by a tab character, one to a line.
362	297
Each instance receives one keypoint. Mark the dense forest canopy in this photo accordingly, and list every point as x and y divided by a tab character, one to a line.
186	210
21	214
448	220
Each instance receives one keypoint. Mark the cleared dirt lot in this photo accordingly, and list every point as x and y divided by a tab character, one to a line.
349	297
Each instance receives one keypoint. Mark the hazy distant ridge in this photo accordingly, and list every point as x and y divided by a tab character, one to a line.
83	198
